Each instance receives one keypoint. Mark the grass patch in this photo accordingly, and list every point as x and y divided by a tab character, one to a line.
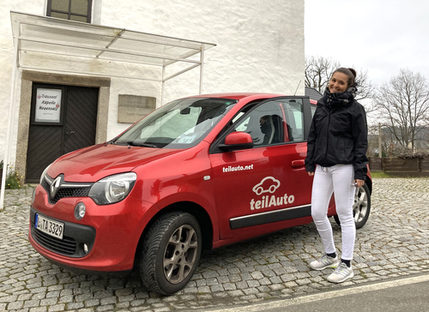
381	174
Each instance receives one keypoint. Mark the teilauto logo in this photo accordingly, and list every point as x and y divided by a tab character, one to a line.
269	185
237	168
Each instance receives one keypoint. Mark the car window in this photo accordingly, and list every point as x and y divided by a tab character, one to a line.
179	124
264	124
294	111
313	109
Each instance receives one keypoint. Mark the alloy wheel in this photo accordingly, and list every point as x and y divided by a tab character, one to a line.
180	254
360	205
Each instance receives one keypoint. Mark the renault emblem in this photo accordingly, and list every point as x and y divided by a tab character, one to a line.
55	186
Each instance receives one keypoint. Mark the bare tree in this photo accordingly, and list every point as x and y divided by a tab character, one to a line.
365	87
403	105
319	70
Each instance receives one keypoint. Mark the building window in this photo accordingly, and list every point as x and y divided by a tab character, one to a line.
77	10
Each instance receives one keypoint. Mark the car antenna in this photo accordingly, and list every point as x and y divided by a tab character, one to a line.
296	90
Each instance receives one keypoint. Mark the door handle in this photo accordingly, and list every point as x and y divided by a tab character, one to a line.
298	163
70	132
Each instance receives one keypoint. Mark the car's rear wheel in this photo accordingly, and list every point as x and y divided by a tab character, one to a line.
171	252
361	207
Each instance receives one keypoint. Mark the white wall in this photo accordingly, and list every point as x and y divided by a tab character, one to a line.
6	62
260	46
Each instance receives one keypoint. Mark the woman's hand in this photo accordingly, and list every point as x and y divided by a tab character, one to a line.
359	183
311	173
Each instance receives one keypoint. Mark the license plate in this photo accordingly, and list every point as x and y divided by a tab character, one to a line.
49	226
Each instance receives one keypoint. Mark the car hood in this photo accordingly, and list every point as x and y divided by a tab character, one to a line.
96	162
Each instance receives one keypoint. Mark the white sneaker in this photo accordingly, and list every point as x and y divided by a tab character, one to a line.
341	274
324	262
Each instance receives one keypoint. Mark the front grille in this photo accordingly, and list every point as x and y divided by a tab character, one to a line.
45	185
67	190
71	192
65	246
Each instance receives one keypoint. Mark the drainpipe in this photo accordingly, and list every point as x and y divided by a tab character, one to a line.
162	85
201	69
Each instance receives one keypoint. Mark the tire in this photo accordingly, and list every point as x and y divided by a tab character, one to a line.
171	252
361	207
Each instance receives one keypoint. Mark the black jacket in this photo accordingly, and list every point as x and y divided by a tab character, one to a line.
338	134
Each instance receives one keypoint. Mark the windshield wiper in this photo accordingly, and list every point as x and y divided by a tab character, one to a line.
133	143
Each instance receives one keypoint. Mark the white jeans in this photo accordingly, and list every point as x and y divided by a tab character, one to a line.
338	179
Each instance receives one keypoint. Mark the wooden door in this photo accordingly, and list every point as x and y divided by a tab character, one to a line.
63	119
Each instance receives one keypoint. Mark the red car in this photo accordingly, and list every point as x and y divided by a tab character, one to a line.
199	172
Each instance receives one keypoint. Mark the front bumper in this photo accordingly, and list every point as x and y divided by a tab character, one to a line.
76	236
111	233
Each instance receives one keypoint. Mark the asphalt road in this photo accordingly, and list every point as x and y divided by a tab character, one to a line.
409	294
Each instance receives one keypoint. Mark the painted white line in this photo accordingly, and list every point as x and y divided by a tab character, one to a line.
327	295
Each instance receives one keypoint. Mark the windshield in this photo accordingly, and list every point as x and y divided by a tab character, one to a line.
180	124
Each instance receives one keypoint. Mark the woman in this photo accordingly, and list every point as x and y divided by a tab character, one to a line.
337	145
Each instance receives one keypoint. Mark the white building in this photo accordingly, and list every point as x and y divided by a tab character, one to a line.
100	79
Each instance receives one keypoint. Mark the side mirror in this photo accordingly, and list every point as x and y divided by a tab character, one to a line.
237	140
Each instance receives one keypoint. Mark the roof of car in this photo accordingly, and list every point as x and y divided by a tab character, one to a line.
241	95
248	95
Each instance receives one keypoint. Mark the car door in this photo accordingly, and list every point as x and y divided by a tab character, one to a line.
258	189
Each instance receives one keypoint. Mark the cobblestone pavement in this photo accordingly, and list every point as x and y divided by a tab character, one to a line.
394	243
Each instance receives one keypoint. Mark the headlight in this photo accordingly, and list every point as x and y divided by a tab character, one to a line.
43	174
113	188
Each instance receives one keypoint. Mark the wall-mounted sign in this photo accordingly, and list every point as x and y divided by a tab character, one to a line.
48	105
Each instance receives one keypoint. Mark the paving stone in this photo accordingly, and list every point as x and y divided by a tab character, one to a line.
8	298
216	288
31	303
108	300
210	281
257	275
15	305
105	308
48	301
38	309
74	305
123	305
65	299
190	290
57	307
24	297
53	294
229	286
241	285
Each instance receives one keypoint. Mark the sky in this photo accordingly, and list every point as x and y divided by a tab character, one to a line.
378	36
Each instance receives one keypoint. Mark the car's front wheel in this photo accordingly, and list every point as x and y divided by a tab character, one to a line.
361	207
171	252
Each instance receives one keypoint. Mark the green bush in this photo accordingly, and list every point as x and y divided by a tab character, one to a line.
13	180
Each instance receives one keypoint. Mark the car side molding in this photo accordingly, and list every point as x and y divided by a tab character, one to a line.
270	216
